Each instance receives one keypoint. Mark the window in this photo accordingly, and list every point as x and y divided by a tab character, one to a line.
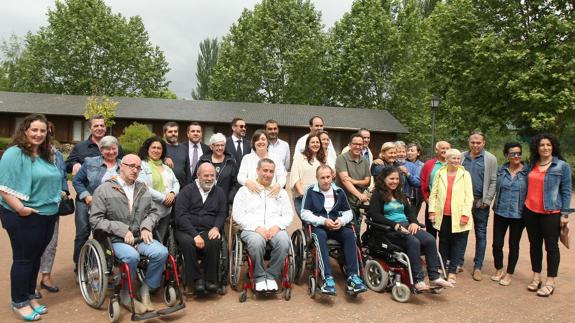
77	130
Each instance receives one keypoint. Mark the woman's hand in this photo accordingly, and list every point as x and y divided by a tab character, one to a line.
564	221
26	211
88	200
169	200
275	190
431	217
413	228
253	186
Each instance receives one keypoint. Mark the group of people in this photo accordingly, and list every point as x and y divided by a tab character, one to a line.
190	186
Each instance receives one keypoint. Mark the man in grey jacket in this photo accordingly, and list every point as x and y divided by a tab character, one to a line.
482	165
123	208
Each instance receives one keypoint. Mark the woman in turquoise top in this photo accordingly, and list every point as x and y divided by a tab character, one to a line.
30	186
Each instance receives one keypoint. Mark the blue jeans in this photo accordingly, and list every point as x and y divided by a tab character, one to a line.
480	218
29	237
346	238
82	219
156	253
451	245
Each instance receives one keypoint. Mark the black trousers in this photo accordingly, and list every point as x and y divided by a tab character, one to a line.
500	226
209	255
543	227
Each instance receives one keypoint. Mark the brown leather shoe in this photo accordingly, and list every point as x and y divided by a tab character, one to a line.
477	275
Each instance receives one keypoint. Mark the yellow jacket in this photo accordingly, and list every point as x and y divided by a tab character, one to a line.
461	199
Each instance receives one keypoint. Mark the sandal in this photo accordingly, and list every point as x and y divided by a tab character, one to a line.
497	277
505	280
421	286
452	278
546	290
28	318
534	285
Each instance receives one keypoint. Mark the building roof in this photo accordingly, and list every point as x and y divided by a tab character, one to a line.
205	111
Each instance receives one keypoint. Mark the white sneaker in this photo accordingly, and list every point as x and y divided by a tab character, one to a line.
261	286
272	285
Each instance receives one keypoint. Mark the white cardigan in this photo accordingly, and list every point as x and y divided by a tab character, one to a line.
171	184
252	210
248	169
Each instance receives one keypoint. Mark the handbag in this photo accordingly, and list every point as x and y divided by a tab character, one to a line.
66	206
564	236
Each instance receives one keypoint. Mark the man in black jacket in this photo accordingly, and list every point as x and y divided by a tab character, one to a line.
237	144
201	210
176	154
194	145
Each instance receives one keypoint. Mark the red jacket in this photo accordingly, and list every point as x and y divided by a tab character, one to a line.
425	175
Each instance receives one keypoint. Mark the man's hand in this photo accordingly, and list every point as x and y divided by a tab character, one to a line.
76	168
214	233
129	238
263	232
169	162
484	206
199	242
413	228
273	231
403	169
169	200
363	198
431	217
378	161
147	236
88	200
337	224
253	186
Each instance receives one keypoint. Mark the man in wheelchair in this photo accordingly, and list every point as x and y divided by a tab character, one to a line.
122	207
263	219
201	210
326	208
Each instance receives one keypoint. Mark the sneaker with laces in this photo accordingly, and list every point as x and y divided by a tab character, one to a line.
328	286
355	284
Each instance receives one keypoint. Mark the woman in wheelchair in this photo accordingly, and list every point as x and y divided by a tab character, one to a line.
326	208
123	208
390	207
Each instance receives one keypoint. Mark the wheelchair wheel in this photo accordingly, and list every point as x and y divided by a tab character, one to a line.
223	267
114	310
287	294
92	275
311	288
375	277
236	259
299	246
170	297
401	293
243	296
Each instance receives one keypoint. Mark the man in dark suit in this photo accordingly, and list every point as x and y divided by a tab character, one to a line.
195	147
236	144
176	154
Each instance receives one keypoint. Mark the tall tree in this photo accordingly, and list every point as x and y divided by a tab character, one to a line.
11	51
207	60
87	49
272	54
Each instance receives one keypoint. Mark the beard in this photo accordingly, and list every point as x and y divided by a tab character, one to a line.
206	186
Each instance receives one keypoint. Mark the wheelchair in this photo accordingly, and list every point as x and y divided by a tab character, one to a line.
174	251
239	256
306	250
97	266
387	266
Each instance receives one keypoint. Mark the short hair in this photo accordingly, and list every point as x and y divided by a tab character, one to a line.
235	120
265	161
217	137
169	124
509	145
256	136
271	121
355	135
96	117
202	166
439	143
388	145
477	133
107	142
143	153
363	129
452	152
313	118
194	123
322	167
400	143
416	145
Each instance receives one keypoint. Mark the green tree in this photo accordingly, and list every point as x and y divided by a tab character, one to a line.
103	106
11	51
133	137
273	54
86	49
207	60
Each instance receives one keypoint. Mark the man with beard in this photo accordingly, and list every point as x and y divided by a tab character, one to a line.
176	155
236	144
277	146
201	210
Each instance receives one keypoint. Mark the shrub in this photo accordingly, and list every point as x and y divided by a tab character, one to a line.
4	142
133	137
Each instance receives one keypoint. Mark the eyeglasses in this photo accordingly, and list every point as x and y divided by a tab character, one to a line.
241	126
133	166
514	154
356	144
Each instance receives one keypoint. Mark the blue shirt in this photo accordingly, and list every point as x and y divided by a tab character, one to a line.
476	168
510	193
394	211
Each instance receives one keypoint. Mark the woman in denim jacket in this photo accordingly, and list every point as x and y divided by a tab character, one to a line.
94	171
510	191
546	208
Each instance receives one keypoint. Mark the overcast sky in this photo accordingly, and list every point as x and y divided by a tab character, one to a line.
176	26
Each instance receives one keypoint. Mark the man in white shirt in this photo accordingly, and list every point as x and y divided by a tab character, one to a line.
315	124
264	219
276	145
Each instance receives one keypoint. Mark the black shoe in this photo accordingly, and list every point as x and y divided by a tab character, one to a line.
51	289
200	286
211	287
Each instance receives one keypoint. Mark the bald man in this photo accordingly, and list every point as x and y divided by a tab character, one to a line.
122	207
201	210
427	174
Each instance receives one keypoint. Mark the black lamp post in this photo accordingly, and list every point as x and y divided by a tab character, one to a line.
434	104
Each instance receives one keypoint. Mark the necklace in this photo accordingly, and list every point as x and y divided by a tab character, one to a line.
547	163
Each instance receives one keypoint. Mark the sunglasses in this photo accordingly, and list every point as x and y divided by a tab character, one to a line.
514	154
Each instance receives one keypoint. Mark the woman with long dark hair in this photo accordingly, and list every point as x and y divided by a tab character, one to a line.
303	171
30	191
546	208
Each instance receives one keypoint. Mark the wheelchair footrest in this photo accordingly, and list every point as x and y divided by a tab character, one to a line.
170	310
145	316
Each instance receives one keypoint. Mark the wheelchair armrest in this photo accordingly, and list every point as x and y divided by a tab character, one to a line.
379	226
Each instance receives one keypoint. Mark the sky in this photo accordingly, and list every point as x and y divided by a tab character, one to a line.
176	26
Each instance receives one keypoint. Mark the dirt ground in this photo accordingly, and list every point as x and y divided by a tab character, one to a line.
469	301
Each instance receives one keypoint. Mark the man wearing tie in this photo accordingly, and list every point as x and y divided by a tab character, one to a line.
196	148
236	144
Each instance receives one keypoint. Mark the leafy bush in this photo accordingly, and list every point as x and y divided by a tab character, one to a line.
133	137
4	142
